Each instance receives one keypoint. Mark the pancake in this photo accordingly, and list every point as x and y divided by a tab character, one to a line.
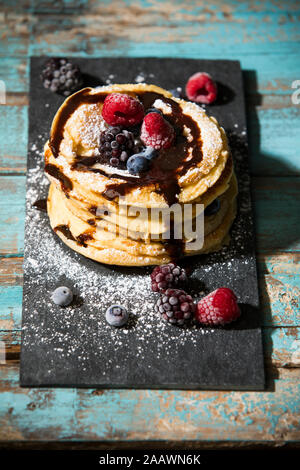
107	214
123	251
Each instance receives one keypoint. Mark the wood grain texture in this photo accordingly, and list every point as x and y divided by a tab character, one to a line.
95	415
264	36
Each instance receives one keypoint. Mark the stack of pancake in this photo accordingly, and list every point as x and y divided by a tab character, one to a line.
113	217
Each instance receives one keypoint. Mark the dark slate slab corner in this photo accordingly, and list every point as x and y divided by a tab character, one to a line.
75	346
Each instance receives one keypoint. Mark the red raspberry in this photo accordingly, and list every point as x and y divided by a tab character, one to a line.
156	132
122	110
218	308
201	88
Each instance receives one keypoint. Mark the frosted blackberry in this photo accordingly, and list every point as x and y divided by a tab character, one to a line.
175	306
167	275
61	76
116	146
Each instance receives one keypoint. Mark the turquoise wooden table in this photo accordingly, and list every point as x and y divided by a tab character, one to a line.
264	36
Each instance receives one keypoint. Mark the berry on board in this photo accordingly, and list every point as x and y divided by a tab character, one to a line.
201	88
116	315
218	308
62	296
61	76
167	275
175	306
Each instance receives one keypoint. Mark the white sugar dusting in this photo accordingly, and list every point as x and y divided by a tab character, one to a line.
92	124
140	78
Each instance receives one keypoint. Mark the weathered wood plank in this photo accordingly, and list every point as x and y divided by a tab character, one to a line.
94	6
11	271
46	6
277	216
123	28
132	28
282	346
280	299
13	134
103	415
14	73
15	33
12	209
271	132
10	307
281	263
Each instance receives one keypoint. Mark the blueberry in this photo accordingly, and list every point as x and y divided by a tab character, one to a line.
153	110
177	92
62	296
137	164
213	208
116	315
150	153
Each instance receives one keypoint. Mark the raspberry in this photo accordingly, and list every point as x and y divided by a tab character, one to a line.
218	308
122	110
156	132
167	275
116	146
61	76
175	306
201	88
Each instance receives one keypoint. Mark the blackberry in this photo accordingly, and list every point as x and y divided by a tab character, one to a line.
116	146
61	76
175	306
167	275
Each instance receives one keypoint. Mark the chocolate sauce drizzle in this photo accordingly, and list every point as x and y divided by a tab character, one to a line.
80	240
40	205
64	229
167	168
66	183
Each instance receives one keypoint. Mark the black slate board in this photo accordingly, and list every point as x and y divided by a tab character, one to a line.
74	346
